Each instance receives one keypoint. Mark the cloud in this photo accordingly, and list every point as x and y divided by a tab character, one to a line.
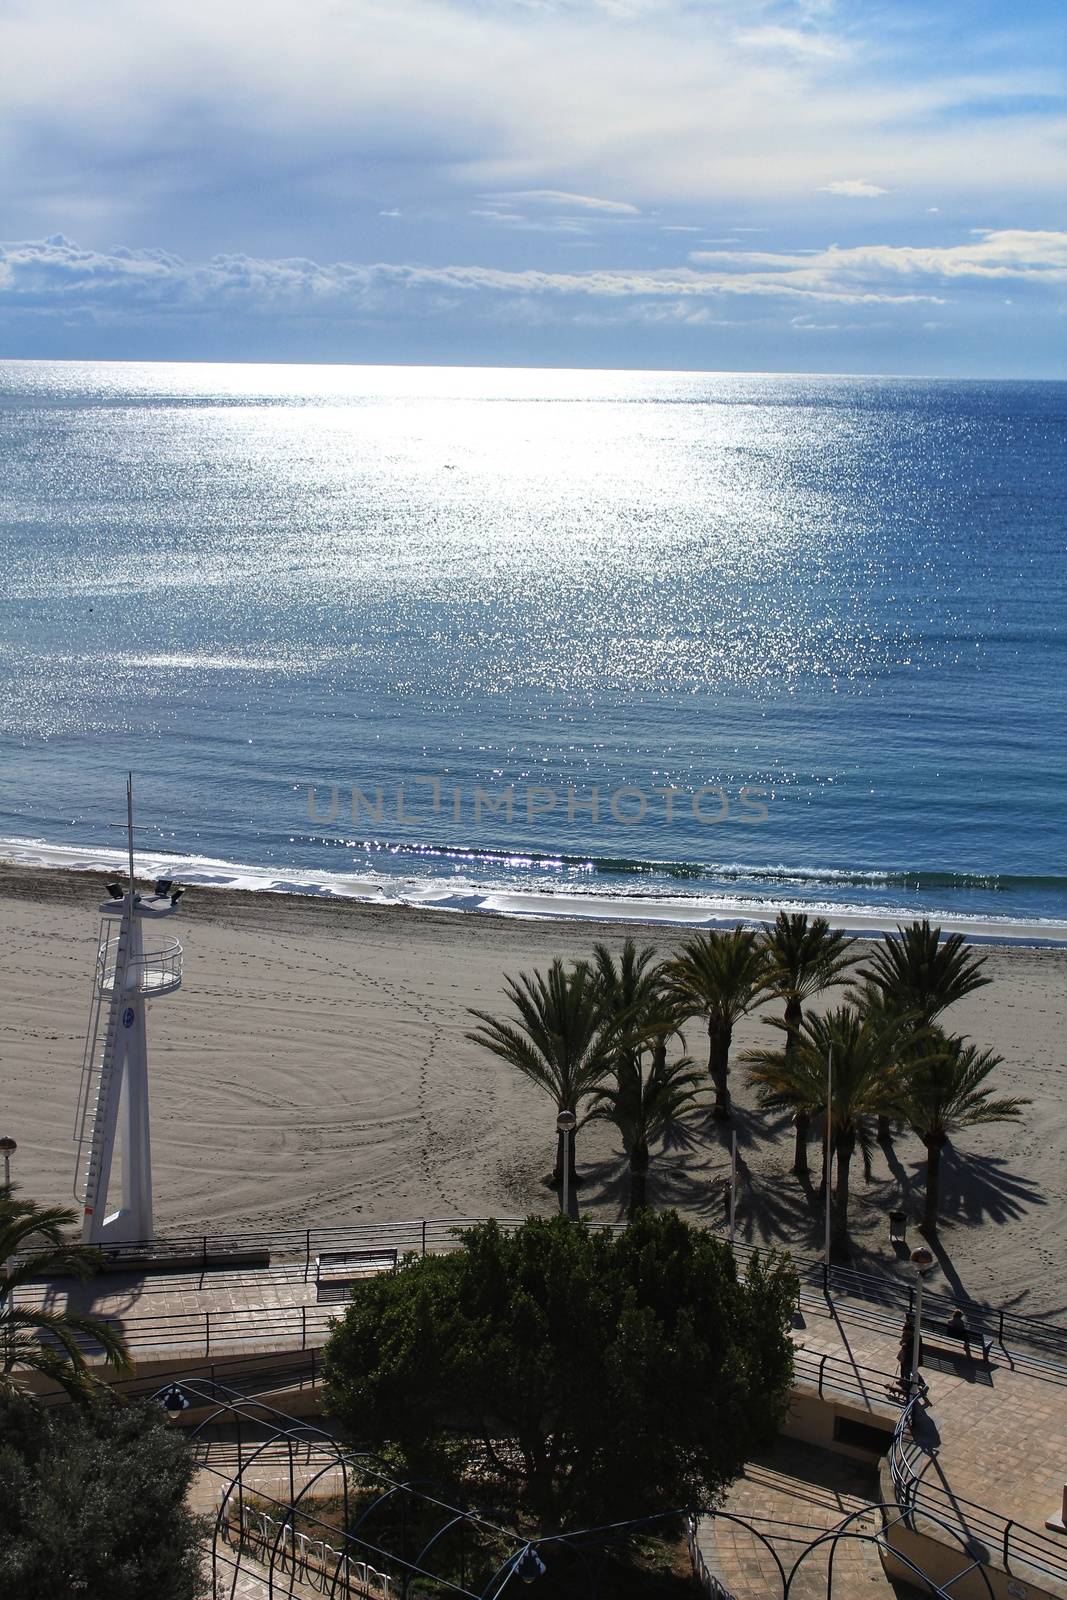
56	277
229	123
805	45
562	199
855	188
867	275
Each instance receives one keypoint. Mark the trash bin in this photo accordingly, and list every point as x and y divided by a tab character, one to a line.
898	1227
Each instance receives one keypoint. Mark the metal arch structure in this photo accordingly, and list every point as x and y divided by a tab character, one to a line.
351	1562
891	1515
347	1557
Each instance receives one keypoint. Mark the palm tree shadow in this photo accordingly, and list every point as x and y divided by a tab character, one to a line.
671	1179
605	1185
977	1189
754	1129
909	1186
777	1210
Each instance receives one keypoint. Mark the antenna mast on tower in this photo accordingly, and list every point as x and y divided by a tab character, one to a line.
113	1094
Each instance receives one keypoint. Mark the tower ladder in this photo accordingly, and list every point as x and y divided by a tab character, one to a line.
98	1064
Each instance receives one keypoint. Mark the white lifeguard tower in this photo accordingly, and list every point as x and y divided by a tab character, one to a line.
114	1075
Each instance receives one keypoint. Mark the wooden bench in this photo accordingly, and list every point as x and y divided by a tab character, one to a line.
976	1347
345	1266
183	1261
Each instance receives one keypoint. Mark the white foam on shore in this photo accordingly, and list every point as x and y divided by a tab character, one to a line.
460	895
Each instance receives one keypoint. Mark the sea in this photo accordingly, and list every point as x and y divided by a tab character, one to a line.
664	646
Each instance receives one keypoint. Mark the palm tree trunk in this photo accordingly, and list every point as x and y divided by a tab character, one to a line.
935	1145
572	1170
794	1016
719	1038
638	1178
802	1125
885	1130
557	1170
844	1145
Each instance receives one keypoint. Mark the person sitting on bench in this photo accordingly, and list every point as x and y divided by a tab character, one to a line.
956	1328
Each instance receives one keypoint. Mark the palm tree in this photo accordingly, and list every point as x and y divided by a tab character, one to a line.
631	995
649	1095
804	957
557	1041
866	1080
945	1091
648	1100
917	971
719	976
32	1339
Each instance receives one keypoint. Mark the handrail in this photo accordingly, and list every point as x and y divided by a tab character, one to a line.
711	1585
426	1234
163	964
1013	1541
811	1365
295	1553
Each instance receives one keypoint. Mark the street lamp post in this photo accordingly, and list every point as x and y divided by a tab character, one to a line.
7	1149
921	1259
566	1123
733	1184
829	1162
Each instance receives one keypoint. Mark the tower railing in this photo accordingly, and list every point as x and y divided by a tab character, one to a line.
154	972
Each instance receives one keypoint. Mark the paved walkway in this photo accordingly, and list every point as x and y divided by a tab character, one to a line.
1002	1432
791	1495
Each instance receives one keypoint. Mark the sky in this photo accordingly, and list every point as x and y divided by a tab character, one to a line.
796	185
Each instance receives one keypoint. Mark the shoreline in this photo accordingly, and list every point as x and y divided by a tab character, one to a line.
314	1069
694	912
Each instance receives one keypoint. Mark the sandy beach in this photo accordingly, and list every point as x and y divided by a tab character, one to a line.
314	1069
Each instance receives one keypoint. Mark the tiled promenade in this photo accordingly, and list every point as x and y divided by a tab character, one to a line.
1002	1432
792	1495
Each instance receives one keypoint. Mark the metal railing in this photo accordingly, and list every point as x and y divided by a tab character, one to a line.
209	1333
841	1376
1014	1544
151	973
881	1292
312	1561
897	1295
711	1585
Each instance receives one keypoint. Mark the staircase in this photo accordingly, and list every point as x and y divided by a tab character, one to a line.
109	987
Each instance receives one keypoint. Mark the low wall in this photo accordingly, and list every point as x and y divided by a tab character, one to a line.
835	1424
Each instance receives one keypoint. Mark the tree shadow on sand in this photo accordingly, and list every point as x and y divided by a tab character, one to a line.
976	1189
673	1177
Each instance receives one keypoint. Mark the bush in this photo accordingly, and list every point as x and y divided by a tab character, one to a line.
603	1376
92	1504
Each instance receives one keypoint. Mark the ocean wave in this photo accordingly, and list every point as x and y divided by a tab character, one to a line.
730	894
917	879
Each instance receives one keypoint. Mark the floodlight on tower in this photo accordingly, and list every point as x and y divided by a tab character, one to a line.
113	1094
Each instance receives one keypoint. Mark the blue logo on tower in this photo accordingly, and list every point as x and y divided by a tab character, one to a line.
128	1016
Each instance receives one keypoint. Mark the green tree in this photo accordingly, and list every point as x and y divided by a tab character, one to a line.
866	1080
557	1040
648	1096
604	1375
93	1503
946	1091
805	956
33	1339
719	977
